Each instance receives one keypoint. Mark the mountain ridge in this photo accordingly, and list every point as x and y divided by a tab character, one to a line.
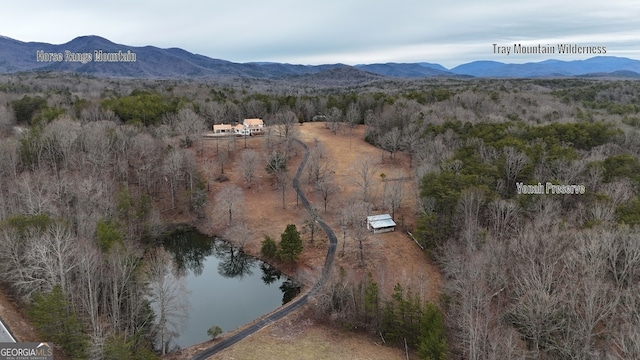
174	62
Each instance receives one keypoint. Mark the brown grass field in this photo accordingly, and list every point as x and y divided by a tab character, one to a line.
391	257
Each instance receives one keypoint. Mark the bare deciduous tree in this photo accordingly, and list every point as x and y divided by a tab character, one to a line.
334	118
191	126
538	307
215	113
64	133
89	276
472	297
172	172
327	187
286	127
392	141
353	118
411	138
622	252
362	175
395	195
248	165
239	234
282	183
231	200
121	266
146	160
311	224
503	215
34	193
222	158
98	146
52	257
7	120
9	158
168	294
354	212
254	109
318	164
514	163
469	205
306	108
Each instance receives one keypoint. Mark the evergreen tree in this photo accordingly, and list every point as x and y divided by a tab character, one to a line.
27	107
387	323
290	244
413	313
54	320
108	233
371	301
269	247
118	347
432	343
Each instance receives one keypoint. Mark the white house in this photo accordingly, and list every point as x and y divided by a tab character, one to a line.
254	126
241	130
247	128
380	223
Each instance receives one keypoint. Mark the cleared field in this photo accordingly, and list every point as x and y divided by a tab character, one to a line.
390	257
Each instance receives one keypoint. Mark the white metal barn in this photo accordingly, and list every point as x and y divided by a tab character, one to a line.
380	223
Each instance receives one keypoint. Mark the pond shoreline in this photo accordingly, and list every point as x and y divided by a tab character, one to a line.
225	285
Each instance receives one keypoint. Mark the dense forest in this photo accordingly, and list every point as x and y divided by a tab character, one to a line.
93	170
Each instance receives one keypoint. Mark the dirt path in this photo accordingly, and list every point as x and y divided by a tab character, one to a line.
16	321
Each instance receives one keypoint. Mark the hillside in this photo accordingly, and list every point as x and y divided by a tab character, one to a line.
154	62
600	65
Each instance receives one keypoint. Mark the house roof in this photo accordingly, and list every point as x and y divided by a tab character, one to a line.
253	122
221	127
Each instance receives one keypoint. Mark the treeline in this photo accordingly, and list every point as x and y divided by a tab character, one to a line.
79	202
488	160
540	276
534	275
404	319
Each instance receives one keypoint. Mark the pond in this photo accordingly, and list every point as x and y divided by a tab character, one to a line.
227	287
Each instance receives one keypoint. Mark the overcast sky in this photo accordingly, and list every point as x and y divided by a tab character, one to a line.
347	31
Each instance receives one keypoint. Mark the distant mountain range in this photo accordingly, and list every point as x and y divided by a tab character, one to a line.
98	56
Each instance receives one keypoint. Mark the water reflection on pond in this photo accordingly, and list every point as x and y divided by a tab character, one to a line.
227	287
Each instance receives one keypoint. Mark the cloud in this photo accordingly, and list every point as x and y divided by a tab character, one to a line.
333	31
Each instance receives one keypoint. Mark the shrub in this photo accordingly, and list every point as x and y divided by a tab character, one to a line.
214	332
269	247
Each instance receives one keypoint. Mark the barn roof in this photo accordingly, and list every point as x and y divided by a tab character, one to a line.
380	221
378	217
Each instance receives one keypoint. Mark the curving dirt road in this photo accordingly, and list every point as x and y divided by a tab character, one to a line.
300	301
